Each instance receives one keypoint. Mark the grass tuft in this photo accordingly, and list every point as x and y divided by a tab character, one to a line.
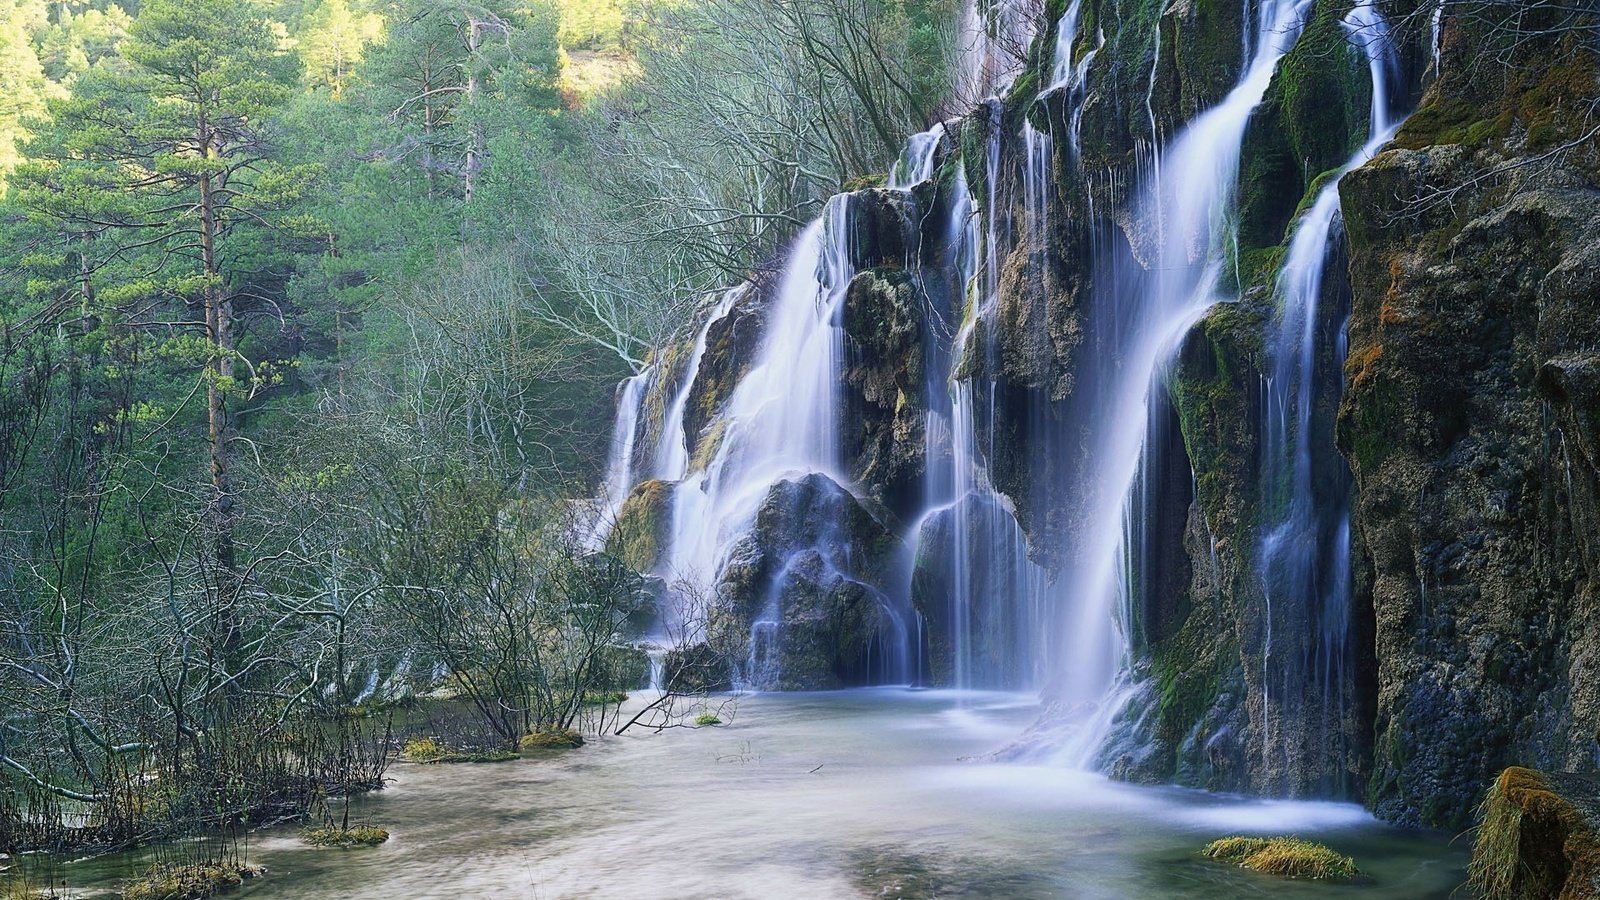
552	739
430	751
1283	856
188	882
1539	836
705	719
334	836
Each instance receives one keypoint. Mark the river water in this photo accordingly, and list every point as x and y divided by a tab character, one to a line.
882	792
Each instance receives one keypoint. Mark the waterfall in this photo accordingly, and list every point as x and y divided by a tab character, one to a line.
782	418
1009	621
1062	71
992	46
620	475
915	165
1305	549
672	452
1150	305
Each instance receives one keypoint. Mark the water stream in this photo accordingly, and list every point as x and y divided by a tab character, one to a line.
879	792
1305	549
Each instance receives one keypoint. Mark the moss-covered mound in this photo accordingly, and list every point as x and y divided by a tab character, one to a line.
552	739
430	751
188	882
1285	856
334	836
1539	838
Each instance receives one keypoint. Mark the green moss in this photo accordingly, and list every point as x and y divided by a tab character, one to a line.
1313	116
334	836
638	537
552	739
865	182
429	751
974	140
1258	266
1284	856
1544	90
188	882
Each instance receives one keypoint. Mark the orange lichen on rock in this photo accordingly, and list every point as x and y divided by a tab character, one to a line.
1539	838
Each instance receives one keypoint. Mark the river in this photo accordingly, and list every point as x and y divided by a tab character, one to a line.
881	792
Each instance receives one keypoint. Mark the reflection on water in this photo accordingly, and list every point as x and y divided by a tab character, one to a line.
863	793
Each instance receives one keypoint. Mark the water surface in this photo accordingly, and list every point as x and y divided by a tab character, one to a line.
868	793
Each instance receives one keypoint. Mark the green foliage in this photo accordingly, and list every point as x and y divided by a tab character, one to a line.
365	259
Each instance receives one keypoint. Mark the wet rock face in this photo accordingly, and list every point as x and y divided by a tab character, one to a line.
811	585
1469	423
731	346
882	416
1314	115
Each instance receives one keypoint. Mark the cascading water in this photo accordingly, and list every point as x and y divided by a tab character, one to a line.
1009	622
620	468
1305	549
992	45
916	164
1149	307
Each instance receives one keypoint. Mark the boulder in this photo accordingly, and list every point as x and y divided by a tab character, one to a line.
812	583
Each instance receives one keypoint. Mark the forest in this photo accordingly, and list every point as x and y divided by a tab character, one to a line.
1192	394
312	315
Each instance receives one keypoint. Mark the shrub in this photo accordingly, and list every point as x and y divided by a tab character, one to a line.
707	718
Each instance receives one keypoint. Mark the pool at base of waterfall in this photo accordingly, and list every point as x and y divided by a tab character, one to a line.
866	793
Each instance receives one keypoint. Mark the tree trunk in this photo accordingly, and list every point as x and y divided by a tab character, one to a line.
475	140
219	419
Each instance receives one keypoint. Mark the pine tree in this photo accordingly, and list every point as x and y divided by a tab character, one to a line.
159	173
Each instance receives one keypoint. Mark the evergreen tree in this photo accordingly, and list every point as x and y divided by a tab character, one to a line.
160	173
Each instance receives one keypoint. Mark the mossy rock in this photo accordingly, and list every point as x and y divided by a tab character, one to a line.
639	536
552	739
189	882
883	410
695	669
334	836
732	343
1287	857
1539	838
1313	117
